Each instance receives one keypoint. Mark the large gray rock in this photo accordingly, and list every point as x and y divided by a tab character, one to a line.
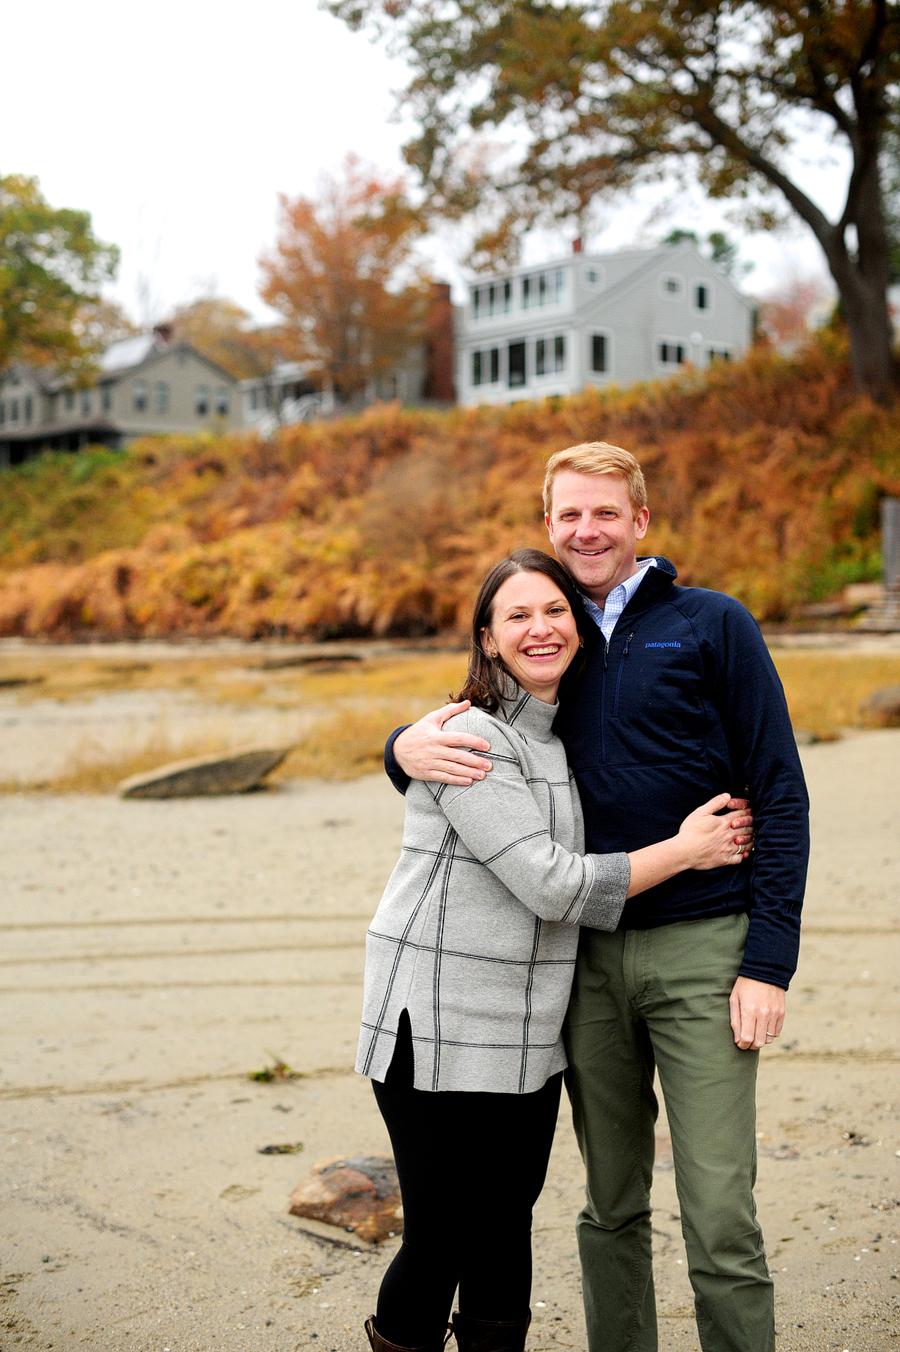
882	707
205	776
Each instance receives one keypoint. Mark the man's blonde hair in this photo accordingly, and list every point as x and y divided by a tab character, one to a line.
597	457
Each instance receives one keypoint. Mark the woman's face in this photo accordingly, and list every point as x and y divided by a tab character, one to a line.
533	631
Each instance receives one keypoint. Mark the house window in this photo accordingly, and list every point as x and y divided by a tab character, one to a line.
542	288
476	302
139	396
486	367
222	400
526	292
559	281
515	371
599	356
14	410
253	396
507	297
718	354
70	400
672	285
594	277
559	352
85	402
540	357
671	354
29	407
161	397
106	397
702	296
201	401
2	413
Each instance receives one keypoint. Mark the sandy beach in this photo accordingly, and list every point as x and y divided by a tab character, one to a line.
155	953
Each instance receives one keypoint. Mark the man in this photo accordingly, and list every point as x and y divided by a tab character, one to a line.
678	700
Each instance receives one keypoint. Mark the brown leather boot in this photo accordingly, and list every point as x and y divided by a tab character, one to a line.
484	1335
379	1344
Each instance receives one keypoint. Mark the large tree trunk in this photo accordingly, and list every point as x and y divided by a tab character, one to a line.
862	281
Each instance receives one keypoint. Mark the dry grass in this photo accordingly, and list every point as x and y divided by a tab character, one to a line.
357	704
86	773
824	690
232	679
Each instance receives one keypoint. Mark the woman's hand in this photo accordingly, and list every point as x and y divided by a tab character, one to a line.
711	841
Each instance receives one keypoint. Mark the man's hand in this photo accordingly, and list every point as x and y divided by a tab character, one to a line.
757	1012
425	751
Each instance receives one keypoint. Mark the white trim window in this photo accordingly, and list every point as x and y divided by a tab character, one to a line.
671	285
595	276
600	353
550	355
139	396
671	352
486	367
720	353
702	295
543	288
494	298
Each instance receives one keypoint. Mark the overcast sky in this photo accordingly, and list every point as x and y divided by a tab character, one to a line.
177	124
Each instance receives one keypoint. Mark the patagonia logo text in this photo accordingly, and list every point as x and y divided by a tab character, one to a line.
662	645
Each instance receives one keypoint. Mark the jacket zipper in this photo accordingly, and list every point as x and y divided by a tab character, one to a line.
619	672
603	704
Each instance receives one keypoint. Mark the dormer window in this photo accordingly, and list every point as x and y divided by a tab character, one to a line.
702	296
672	286
139	396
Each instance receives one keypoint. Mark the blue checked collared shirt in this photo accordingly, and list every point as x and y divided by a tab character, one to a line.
607	617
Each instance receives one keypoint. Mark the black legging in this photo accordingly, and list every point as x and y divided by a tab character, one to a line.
471	1167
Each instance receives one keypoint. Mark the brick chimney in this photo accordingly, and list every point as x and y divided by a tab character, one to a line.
439	346
577	245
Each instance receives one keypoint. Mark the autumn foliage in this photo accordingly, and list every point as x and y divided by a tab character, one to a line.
335	275
765	479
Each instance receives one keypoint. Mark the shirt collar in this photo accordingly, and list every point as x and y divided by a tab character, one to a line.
617	599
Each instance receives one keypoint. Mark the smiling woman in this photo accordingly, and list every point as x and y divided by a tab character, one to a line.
527	625
533	632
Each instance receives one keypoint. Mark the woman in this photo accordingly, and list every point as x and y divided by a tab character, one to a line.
469	963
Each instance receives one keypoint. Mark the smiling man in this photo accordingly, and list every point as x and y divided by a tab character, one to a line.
678	700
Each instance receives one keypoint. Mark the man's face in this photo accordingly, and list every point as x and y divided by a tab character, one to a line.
594	530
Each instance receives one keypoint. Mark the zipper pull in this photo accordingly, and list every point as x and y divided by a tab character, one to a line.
627	643
606	656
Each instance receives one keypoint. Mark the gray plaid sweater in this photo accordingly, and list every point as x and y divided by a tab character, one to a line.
477	931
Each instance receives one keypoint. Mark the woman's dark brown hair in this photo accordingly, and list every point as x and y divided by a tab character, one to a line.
487	680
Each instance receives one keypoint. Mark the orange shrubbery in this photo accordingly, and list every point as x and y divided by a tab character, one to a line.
764	477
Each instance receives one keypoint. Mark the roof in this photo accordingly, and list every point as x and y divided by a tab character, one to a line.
130	352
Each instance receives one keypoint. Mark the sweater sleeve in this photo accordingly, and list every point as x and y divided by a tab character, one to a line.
399	778
499	822
758	725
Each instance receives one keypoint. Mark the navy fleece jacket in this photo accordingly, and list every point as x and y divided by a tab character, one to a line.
683	703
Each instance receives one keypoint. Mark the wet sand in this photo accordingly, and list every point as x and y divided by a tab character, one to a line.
154	953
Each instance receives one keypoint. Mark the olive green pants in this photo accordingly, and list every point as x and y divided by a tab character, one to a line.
658	998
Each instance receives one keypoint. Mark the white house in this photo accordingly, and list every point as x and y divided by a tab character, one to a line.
144	386
597	319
